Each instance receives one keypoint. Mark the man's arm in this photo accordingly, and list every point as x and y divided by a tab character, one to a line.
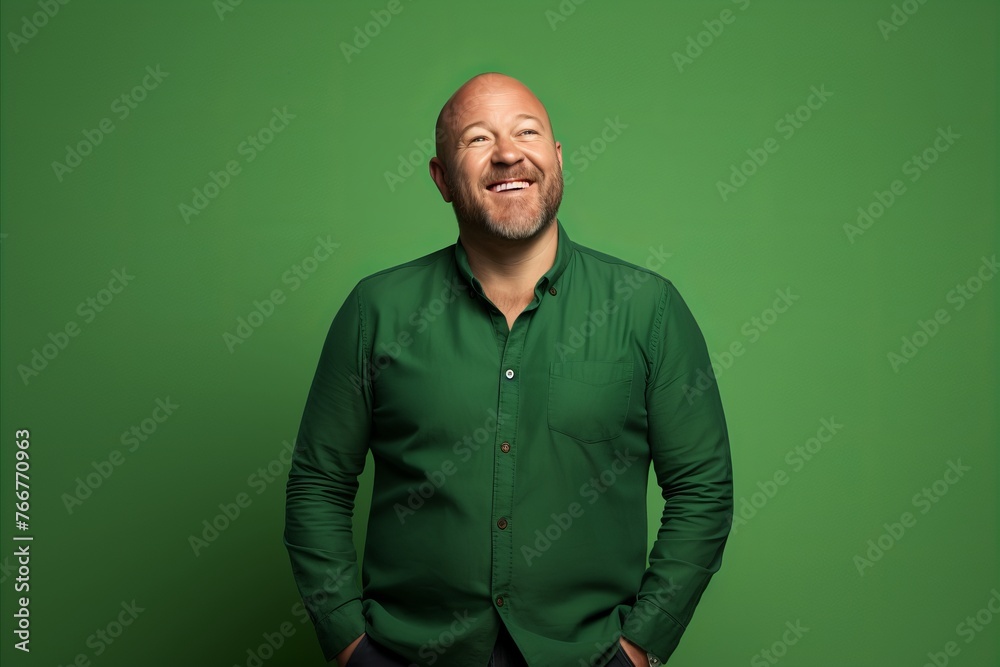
689	442
329	455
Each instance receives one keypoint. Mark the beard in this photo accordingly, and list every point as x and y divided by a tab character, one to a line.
517	219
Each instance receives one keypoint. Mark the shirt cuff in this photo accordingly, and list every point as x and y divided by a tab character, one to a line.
339	628
653	630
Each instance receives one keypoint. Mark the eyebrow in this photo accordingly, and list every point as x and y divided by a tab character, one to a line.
520	116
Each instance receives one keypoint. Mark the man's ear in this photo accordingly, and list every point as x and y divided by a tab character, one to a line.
438	171
559	154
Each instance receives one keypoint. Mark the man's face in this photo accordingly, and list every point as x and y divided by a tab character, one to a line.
503	174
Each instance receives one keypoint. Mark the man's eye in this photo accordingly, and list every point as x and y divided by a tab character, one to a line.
475	139
532	131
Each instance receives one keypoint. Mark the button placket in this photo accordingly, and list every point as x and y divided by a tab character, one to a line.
504	466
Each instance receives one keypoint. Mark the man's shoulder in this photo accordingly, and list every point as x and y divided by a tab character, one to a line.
401	273
617	267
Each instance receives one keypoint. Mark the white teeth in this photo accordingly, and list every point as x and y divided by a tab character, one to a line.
513	185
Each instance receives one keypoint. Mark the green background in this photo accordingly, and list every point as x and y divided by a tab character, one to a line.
356	117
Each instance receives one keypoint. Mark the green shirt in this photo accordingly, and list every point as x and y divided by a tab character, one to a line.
511	465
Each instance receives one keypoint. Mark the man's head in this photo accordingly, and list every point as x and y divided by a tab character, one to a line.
493	137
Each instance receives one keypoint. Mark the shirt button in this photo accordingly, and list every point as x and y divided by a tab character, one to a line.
504	447
502	523
552	291
499	600
510	373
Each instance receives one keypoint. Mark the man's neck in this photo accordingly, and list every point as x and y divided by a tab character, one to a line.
507	266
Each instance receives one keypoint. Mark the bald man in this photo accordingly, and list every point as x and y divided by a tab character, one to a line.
514	389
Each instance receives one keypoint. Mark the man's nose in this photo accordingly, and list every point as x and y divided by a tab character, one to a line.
506	151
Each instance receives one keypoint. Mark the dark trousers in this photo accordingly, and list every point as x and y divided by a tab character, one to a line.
370	653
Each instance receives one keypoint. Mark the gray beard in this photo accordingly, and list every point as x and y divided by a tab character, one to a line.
519	225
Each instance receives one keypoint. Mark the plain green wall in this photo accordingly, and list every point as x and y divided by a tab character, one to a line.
682	125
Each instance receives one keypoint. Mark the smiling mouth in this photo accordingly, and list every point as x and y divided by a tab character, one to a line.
509	186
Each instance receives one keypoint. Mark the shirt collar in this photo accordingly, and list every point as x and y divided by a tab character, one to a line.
564	253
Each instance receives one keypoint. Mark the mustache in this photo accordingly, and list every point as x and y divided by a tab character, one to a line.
527	176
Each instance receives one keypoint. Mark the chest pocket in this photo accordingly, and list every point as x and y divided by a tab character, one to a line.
588	400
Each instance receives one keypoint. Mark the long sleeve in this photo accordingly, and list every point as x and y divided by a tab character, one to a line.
329	454
689	443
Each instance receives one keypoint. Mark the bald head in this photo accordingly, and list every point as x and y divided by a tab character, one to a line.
497	161
454	114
